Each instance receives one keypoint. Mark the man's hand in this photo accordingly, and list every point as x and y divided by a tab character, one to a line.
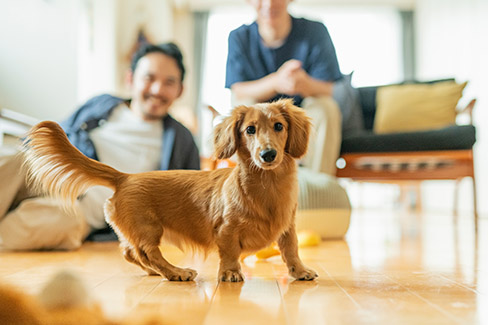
291	79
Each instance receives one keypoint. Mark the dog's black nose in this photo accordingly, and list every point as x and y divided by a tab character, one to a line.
268	155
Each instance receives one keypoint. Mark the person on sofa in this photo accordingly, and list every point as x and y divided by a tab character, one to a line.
135	135
282	56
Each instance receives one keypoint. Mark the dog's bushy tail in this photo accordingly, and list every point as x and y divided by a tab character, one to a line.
56	167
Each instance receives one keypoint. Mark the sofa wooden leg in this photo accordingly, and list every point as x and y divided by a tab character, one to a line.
455	211
475	207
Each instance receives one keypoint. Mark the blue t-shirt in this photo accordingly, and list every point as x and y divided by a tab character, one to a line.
309	42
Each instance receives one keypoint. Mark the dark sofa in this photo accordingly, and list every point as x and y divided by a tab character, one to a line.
454	137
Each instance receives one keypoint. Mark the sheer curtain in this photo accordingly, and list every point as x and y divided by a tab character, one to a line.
200	23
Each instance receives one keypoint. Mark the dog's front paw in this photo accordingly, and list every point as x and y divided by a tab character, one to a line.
303	274
231	276
182	275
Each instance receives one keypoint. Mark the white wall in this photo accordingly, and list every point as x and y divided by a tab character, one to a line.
38	56
56	54
155	17
97	49
452	41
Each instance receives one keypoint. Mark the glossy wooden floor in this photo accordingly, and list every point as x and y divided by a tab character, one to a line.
393	268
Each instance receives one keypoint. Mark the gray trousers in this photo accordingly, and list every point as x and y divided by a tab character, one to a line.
325	141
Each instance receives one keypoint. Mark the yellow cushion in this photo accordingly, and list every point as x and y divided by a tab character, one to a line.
416	107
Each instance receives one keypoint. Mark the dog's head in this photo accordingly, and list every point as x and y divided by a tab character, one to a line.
264	132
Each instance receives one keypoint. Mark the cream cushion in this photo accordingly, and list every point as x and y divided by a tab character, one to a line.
416	107
323	205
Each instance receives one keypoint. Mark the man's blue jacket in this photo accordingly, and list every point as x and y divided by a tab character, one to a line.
179	150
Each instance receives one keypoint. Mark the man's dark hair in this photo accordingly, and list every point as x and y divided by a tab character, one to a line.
170	49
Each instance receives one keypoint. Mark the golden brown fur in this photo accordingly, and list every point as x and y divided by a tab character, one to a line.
234	210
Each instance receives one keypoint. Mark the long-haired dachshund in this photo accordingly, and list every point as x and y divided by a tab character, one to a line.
235	210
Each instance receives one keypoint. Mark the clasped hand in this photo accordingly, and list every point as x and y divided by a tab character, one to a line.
291	79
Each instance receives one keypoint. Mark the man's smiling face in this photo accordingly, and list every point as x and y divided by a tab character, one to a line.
156	84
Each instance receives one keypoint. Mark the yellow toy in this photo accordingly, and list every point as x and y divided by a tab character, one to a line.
306	238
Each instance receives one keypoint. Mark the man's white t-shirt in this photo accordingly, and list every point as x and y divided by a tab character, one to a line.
127	143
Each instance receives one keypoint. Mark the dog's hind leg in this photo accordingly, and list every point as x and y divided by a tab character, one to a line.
126	248
129	255
140	244
150	257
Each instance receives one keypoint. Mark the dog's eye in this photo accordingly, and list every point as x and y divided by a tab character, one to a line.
251	129
278	126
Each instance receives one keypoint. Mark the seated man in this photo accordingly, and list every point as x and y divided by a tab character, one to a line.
133	136
282	56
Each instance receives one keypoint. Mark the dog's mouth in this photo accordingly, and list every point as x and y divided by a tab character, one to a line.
267	166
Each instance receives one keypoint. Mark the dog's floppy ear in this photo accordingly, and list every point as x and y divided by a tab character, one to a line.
226	134
298	128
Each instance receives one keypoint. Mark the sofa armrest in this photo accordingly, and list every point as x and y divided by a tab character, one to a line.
13	125
468	110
